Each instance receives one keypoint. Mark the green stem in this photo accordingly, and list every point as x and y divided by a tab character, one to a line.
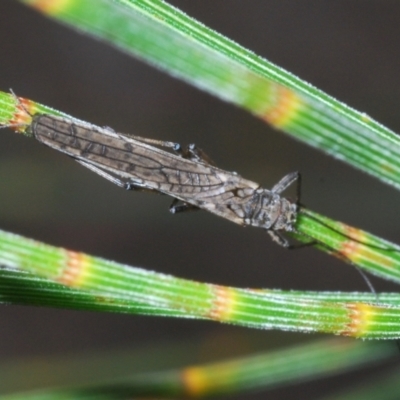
135	290
176	43
273	369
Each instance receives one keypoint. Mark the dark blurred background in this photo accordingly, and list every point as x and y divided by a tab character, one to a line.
348	49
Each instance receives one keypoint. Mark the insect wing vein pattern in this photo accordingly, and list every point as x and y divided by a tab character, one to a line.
192	181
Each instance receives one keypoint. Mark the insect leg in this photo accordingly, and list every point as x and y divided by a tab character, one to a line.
114	180
176	208
286	181
279	239
197	154
192	152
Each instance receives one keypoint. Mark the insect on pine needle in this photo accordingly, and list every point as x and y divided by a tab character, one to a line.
190	177
187	175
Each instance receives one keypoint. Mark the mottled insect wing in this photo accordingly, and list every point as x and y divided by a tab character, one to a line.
143	165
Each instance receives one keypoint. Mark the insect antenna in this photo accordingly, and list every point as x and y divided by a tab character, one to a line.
316	242
372	246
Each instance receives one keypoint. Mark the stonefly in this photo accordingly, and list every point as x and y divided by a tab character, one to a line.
189	176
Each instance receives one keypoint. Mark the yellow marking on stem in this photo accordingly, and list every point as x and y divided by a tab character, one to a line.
194	381
223	303
360	317
22	117
374	256
285	107
351	246
76	267
387	166
50	6
355	248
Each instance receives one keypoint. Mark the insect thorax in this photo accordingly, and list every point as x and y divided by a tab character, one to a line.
270	211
